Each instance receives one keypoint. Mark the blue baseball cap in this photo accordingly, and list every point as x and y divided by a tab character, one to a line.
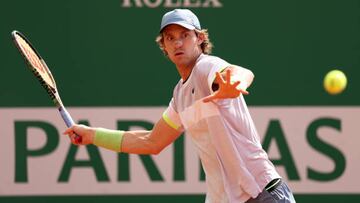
182	17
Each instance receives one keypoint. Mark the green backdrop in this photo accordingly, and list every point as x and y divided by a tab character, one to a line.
103	54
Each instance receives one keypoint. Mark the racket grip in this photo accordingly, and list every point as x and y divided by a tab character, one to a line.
69	121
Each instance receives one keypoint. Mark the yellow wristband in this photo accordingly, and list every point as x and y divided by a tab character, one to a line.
109	139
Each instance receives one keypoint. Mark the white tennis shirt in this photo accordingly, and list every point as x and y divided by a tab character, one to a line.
223	132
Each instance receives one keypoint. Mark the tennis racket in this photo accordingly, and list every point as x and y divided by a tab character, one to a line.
39	68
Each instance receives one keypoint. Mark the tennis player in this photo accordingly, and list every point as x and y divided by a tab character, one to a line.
208	104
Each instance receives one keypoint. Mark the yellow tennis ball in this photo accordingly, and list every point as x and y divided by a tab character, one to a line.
335	82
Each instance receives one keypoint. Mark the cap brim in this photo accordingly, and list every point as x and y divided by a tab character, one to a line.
182	24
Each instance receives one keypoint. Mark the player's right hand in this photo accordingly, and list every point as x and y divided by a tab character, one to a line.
86	134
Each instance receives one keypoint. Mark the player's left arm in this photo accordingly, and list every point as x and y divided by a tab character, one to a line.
231	82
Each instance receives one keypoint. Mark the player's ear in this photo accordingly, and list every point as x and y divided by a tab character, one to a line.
165	49
200	37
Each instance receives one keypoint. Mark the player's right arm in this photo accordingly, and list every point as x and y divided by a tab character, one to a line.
134	142
149	142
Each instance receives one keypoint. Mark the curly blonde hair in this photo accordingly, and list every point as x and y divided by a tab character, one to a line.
206	46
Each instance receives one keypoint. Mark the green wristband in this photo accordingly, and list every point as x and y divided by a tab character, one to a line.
109	139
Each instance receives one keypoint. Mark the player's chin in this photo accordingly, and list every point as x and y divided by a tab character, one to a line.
178	59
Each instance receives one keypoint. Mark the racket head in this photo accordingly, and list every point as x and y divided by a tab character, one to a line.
35	62
41	71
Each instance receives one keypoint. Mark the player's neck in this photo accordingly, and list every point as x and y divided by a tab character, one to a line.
186	69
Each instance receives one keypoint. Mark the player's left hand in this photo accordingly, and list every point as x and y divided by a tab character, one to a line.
227	89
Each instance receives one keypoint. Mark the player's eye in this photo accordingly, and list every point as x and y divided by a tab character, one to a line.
169	38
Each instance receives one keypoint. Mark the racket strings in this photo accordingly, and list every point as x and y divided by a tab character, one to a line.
29	53
41	71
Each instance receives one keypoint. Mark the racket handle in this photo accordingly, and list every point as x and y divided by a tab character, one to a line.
69	121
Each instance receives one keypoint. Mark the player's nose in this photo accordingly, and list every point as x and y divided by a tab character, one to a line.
178	43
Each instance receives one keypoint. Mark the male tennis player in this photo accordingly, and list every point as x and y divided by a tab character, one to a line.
207	102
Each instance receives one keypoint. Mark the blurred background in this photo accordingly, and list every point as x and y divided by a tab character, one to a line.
103	56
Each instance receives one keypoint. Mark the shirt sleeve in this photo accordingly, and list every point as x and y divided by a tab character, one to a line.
212	65
172	118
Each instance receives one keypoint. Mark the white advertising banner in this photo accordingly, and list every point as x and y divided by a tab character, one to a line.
315	149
